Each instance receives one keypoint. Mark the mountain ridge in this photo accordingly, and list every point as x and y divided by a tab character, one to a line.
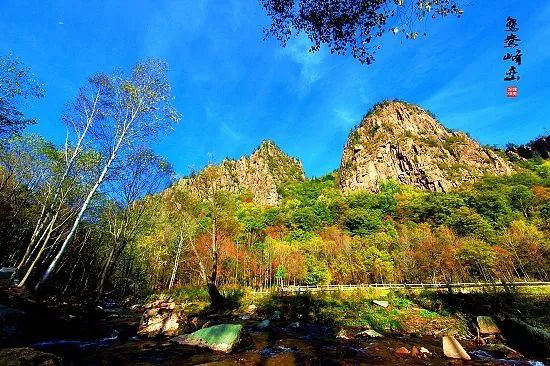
395	140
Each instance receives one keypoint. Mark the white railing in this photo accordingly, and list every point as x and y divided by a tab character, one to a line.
313	288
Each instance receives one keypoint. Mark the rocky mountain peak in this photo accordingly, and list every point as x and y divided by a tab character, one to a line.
268	145
400	141
260	174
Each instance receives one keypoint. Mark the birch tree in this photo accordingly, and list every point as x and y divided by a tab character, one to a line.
183	213
142	174
71	172
132	110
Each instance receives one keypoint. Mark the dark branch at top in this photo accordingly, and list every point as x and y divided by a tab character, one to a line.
352	26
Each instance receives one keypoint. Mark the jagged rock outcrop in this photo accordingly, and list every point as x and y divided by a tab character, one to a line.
405	143
260	174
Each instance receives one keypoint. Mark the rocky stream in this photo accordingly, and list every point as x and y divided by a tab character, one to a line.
64	334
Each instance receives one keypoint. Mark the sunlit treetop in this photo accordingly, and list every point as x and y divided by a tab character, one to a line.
353	26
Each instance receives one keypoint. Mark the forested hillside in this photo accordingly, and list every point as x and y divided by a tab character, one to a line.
101	214
495	229
492	230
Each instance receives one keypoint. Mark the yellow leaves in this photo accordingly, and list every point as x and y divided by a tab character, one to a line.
521	232
292	203
130	90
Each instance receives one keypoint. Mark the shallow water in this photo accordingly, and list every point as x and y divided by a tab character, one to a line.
107	337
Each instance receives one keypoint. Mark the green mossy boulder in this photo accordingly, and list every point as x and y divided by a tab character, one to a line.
222	338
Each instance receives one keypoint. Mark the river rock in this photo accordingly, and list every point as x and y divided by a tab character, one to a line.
381	303
27	356
159	319
222	338
137	308
276	315
264	324
6	273
402	351
369	333
342	334
453	349
487	325
251	309
295	325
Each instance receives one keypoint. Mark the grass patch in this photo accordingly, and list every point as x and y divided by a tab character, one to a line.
427	314
528	304
236	296
352	309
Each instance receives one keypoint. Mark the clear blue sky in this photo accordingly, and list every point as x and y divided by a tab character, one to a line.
234	89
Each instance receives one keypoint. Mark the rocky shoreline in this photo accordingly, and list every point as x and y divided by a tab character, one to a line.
167	332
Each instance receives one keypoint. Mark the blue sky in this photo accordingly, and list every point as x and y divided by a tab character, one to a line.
234	89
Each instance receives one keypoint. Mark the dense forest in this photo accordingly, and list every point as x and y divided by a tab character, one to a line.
100	215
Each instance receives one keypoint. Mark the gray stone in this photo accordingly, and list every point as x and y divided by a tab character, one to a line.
342	334
503	349
6	272
260	173
160	321
425	351
403	142
381	303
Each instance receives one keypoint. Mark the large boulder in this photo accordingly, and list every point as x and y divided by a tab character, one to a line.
27	357
502	351
222	338
487	325
160	318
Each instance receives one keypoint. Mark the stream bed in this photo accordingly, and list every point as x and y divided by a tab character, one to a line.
107	336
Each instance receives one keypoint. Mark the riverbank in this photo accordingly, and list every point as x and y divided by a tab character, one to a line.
280	329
